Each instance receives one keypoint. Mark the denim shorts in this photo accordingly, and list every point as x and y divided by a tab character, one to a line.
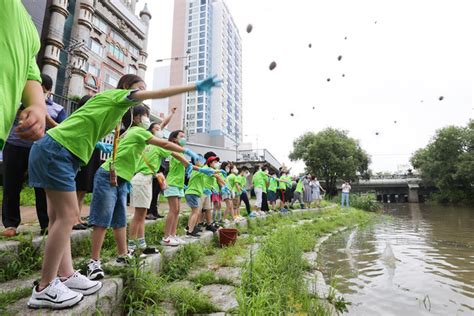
271	196
193	201
52	166
109	204
173	191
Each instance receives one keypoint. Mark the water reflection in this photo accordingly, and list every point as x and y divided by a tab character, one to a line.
418	261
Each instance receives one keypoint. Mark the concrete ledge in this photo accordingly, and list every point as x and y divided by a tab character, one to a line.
108	301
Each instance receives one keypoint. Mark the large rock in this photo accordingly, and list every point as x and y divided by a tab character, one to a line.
222	296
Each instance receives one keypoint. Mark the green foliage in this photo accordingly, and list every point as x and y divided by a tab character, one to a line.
331	154
177	267
207	278
272	280
367	202
10	297
188	301
23	262
447	162
227	255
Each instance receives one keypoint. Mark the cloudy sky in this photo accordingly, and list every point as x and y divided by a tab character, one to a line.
398	59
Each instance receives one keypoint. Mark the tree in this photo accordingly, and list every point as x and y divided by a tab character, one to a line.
331	155
447	162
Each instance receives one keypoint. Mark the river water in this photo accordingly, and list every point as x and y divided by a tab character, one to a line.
417	260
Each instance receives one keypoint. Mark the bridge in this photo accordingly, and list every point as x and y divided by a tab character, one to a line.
396	190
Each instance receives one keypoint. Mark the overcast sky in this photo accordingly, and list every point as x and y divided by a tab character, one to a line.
399	58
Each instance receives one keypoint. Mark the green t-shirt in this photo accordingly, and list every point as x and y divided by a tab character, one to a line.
94	120
129	151
210	182
281	184
197	183
258	180
19	44
273	184
153	155
242	181
231	182
265	181
299	187
176	174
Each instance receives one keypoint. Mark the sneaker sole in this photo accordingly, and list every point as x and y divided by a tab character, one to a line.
89	291
96	276
45	304
168	244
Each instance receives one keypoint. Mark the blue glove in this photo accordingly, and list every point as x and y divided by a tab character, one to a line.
207	84
215	191
223	173
189	169
104	147
207	192
225	189
207	171
185	187
193	155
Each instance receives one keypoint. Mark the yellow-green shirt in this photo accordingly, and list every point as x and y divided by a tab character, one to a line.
152	156
91	122
176	173
129	151
19	44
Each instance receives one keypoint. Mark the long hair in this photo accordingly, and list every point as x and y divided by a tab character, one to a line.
174	136
127	81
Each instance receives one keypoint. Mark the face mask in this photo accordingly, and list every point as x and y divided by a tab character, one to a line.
217	165
235	171
182	142
159	134
247	174
266	171
227	169
145	122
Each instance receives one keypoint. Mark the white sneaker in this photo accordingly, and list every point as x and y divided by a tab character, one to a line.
169	241
94	270
179	240
79	283
56	296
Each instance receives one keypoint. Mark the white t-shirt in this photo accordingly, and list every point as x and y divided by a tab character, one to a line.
346	188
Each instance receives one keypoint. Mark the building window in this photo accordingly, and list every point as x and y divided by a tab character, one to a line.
93	70
199	107
116	52
199	123
119	39
91	82
100	24
200	115
133	50
111	80
203	2
96	47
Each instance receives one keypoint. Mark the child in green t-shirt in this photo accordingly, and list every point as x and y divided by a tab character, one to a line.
19	74
109	204
195	190
53	164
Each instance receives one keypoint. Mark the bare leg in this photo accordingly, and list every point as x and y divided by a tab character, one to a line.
193	218
120	236
98	235
62	210
80	200
171	217
137	225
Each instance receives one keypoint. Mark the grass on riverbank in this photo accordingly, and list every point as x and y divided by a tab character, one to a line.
272	280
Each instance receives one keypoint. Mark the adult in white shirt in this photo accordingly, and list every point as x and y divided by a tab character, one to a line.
346	188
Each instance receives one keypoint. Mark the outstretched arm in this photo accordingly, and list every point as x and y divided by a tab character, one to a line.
165	144
167	119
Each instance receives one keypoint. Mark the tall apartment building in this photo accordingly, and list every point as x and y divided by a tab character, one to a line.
204	31
89	44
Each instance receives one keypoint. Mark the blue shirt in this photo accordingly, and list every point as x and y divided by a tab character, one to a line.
57	113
